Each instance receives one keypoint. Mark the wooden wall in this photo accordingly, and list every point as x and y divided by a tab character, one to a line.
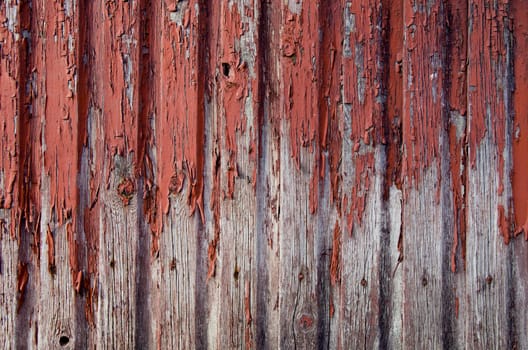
291	174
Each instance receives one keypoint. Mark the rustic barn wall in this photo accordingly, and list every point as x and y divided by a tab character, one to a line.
263	174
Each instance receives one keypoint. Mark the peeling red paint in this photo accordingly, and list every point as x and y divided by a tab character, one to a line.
362	84
329	81
180	119
11	72
423	72
488	85
504	221
393	85
299	51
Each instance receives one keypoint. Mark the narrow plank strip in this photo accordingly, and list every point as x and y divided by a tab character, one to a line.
488	274
299	175
237	79
424	180
268	180
60	272
178	165
454	314
363	176
519	14
116	65
10	52
391	274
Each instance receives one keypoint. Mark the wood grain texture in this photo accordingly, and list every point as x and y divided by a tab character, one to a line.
263	174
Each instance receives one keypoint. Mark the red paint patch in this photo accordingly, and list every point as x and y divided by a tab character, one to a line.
504	224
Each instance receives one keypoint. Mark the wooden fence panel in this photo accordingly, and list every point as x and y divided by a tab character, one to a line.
263	174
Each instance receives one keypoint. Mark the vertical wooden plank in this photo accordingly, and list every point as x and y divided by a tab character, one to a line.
299	176
11	50
363	174
56	65
489	132
90	150
424	180
391	279
519	12
237	84
268	189
454	316
327	240
116	65
489	191
179	171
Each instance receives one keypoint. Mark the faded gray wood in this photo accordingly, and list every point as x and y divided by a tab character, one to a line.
118	256
9	336
361	261
56	303
298	255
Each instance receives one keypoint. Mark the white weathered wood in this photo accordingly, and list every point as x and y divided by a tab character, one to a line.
361	249
422	264
298	257
174	279
488	271
56	301
116	317
8	284
394	218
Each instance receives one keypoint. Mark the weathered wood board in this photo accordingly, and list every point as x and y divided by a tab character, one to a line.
263	174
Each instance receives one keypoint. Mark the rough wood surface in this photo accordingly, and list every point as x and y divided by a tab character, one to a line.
263	174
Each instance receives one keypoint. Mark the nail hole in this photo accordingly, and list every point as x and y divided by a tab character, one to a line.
363	282
225	69
64	340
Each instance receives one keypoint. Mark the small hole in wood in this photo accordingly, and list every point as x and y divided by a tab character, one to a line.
363	282
424	281
226	68
64	340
